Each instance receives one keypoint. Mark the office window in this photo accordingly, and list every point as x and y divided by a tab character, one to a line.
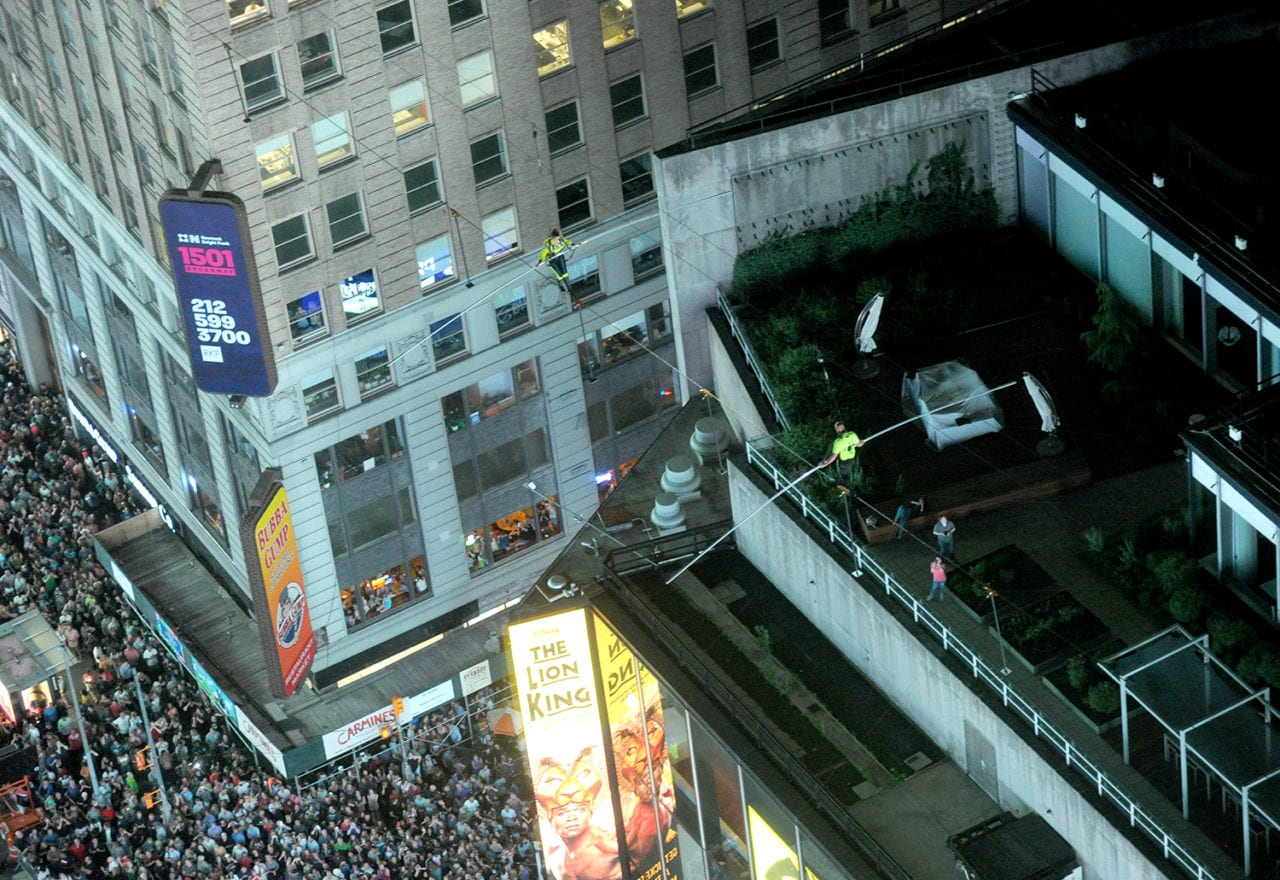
476	79
700	70
491	395
637	179
488	158
277	162
409	107
150	60
763	47
447	339
562	127
617	22
877	8
318	58
84	104
573	203
346	219
512	310
319	393
686	8
306	316
51	63
461	11
552	47
373	371
422	186
332	137
244	11
627	98
435	262
395	27
359	295
261	80
292	241
835	21
584	277
499	233
646	253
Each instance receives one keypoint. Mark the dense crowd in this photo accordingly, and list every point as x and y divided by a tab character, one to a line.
449	807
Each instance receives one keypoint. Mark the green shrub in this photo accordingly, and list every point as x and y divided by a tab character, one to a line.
1078	671
1103	698
1173	570
1229	635
763	638
1261	665
772	271
1186	605
1095	541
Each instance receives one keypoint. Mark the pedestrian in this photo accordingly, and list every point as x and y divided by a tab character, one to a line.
555	253
945	531
938	569
905	511
843	449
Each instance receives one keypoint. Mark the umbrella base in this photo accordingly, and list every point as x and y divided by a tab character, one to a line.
866	368
1049	446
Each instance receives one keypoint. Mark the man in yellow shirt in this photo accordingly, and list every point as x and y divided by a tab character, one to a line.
555	253
843	449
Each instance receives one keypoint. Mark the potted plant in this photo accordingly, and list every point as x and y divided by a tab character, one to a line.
1042	636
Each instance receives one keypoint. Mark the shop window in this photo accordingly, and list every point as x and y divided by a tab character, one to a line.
422	186
617	22
563	131
573	203
476	78
488	158
346	219
395	27
260	79
373	372
637	179
499	230
359	295
646	253
277	161
318	58
409	107
241	12
448	341
332	137
552	47
763	46
700	70
319	393
292	241
306	317
512	310
435	262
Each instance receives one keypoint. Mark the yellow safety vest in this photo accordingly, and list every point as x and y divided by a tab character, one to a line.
846	446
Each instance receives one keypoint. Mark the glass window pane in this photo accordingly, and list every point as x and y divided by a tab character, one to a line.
319	393
435	261
646	253
318	59
512	533
634	405
584	276
598	421
562	127
637	179
422	186
239	11
527	379
512	309
359	295
627	98
360	453
762	44
409	107
261	82
685	8
700	69
395	27
464	10
573	202
499	229
306	316
552	47
346	219
476	79
501	464
277	163
659	322
835	21
488	159
369	522
373	371
292	241
623	338
465	484
447	338
332	138
617	22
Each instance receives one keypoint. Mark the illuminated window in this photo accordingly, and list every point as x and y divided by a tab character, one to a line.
637	179
763	47
422	186
623	338
409	107
306	317
835	21
700	70
488	158
552	47
375	597
435	262
573	203
319	393
359	295
448	341
292	241
277	161
627	98
686	8
332	137
462	11
346	219
359	454
373	372
476	79
562	127
318	58
617	22
646	253
512	310
244	11
395	27
261	81
877	8
499	233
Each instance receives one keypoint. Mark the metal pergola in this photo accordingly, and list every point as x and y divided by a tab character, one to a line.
1222	727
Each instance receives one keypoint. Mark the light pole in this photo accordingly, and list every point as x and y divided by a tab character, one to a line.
75	704
151	745
1004	665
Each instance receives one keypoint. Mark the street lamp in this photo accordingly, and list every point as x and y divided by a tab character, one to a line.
1004	664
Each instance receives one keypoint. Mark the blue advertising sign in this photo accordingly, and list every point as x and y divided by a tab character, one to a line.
212	258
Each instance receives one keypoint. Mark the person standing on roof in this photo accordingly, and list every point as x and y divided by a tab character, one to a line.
555	253
844	449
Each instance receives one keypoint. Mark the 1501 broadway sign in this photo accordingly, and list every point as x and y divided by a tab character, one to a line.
207	237
279	597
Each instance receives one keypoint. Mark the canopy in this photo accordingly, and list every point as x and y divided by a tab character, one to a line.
955	403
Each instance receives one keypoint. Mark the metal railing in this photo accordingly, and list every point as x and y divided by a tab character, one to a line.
664	550
1043	729
739	333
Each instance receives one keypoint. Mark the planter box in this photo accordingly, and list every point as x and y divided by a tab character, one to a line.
1043	636
1014	575
1083	712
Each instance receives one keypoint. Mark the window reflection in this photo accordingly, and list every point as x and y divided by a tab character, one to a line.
359	454
617	22
388	591
552	47
490	396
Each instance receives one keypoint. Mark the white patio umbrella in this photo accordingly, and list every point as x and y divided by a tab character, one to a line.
865	330
1049	422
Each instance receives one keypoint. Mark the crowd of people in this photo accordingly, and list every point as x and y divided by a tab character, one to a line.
450	807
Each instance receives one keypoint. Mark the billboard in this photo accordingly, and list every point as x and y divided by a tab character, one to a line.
279	597
564	743
642	765
772	857
210	252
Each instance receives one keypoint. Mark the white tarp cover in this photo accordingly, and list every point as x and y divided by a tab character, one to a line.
936	393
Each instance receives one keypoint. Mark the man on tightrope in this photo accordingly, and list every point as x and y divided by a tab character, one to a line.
843	449
555	253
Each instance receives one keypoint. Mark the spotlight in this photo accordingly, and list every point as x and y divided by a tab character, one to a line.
236	401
